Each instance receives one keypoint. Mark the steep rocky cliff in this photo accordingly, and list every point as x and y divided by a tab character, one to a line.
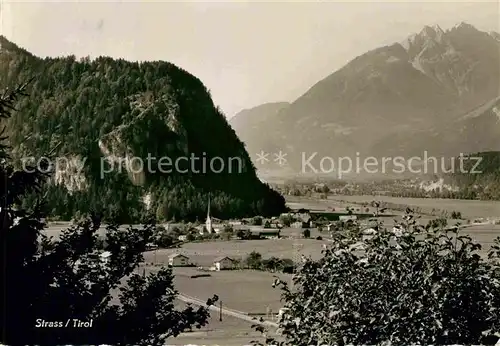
130	138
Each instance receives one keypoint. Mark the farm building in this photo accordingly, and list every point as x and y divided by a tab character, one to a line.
178	260
267	233
223	263
300	224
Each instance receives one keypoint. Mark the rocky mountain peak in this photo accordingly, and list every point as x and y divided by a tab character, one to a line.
433	32
465	27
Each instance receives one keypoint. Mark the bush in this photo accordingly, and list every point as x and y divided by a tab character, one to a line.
60	280
254	260
257	221
244	234
164	240
412	285
286	220
227	229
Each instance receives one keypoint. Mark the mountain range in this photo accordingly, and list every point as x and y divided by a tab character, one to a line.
436	91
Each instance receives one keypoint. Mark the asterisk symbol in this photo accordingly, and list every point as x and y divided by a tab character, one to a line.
280	158
262	157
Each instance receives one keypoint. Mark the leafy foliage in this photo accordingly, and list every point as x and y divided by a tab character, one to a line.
479	177
306	233
49	284
407	285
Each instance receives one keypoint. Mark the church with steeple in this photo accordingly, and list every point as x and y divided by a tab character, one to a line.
208	222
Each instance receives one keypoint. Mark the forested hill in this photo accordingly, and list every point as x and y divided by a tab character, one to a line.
480	177
99	112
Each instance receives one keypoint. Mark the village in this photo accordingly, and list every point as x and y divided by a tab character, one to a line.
296	224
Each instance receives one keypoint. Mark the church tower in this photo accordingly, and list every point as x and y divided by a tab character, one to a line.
208	222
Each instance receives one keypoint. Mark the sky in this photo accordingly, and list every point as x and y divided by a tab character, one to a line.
246	53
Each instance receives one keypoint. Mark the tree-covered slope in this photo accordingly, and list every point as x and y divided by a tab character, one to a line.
103	112
478	176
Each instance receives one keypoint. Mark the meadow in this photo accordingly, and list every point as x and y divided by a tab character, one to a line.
468	208
230	331
203	253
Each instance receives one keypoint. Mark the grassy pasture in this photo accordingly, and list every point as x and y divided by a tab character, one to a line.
468	208
203	254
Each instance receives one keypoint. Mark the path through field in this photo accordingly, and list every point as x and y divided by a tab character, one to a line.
226	311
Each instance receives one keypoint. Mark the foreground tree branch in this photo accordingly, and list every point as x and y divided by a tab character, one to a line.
50	286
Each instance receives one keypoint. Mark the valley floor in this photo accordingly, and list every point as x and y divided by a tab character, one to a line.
249	291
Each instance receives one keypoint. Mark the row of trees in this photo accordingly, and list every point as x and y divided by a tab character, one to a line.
255	261
481	182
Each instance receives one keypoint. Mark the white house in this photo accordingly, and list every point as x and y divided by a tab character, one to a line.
347	217
105	256
178	260
224	262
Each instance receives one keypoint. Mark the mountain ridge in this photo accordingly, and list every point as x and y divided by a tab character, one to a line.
395	91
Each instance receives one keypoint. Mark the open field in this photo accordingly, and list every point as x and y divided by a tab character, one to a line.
326	205
54	229
471	209
311	203
203	254
230	332
248	291
468	208
245	291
